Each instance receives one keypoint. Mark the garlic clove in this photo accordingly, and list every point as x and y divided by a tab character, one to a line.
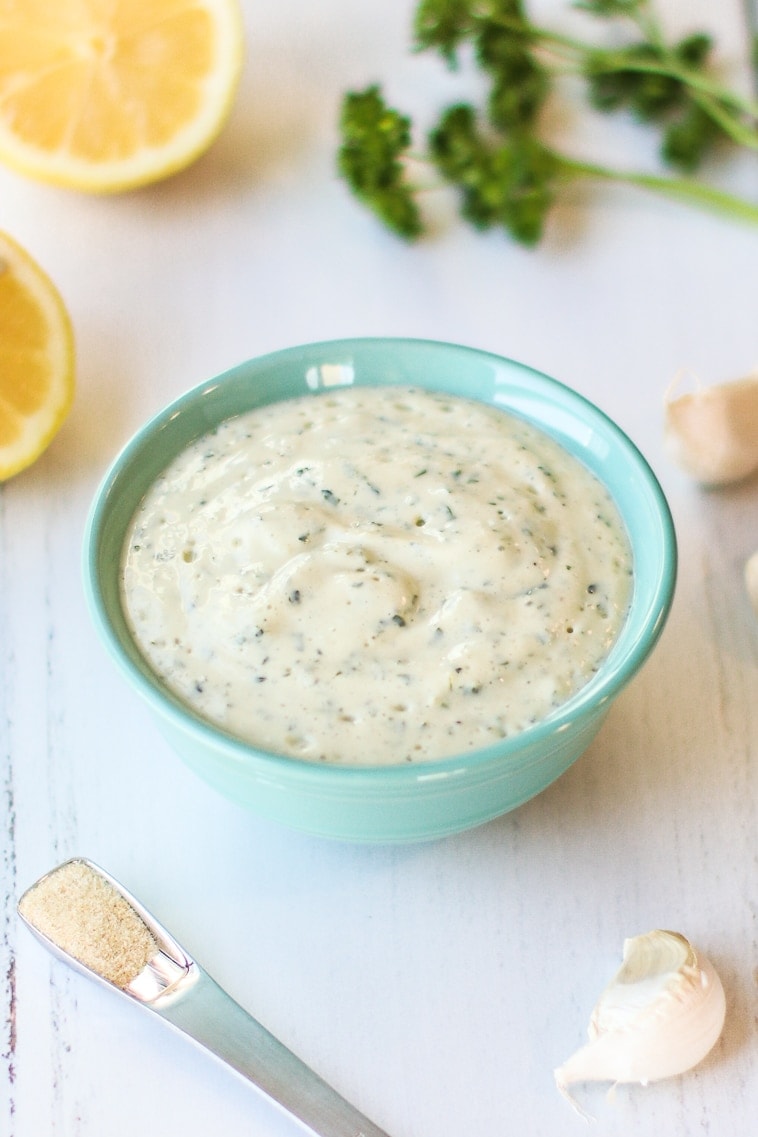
659	1016
751	580
712	432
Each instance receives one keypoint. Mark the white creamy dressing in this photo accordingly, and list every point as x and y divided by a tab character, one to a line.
375	575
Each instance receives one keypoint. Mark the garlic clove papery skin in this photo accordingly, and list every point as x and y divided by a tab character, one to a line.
712	432
660	1015
751	580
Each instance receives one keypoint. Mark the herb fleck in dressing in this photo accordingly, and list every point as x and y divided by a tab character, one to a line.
375	576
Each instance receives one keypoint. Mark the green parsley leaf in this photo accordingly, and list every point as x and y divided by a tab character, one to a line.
374	139
494	155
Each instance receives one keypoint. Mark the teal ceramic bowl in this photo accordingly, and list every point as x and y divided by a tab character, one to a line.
408	802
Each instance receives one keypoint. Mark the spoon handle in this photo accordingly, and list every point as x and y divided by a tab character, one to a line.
208	1015
173	986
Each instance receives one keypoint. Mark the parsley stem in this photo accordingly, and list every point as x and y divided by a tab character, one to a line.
719	98
714	98
680	189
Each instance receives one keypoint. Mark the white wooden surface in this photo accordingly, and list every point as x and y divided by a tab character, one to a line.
436	985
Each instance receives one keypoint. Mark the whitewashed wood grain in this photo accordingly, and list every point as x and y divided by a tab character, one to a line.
435	985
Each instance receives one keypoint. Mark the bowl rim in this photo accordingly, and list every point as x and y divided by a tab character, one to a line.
519	748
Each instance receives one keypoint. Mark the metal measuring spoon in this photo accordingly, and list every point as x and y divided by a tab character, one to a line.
178	990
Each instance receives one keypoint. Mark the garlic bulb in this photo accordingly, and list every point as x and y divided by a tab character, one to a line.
751	580
658	1017
712	432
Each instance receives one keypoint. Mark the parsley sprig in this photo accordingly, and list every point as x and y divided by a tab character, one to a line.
495	155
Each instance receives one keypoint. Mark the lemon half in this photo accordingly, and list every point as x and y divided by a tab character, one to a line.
106	95
36	359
